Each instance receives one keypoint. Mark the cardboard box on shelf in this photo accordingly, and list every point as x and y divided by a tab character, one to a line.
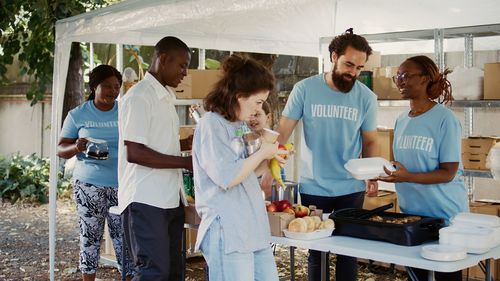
486	190
279	221
190	215
385	141
383	85
485	208
474	161
197	84
374	60
492	81
475	151
383	198
479	145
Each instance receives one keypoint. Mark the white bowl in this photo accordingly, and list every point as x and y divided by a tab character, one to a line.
317	234
443	252
475	240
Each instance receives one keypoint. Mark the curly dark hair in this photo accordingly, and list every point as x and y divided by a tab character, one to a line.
340	43
439	86
242	77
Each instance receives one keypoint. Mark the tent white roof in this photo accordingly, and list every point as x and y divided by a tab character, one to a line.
291	27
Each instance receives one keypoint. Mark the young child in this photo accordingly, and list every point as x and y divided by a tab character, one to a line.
262	119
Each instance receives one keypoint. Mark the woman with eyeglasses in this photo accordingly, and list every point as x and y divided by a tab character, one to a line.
427	143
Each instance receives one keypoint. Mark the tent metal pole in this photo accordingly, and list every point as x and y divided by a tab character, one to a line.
91	56
119	57
201	59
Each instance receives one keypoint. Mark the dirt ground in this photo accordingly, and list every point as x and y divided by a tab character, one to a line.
24	249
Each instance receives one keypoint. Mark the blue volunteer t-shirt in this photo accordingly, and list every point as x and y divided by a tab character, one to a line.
420	144
87	121
332	122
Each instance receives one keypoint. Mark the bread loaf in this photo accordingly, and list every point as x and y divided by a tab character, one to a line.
298	225
317	221
328	223
310	223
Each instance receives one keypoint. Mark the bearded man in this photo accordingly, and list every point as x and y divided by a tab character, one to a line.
339	116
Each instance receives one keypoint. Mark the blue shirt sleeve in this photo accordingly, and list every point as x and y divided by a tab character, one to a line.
450	136
294	108
215	155
370	121
69	129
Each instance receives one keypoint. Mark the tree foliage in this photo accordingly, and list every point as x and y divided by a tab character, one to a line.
27	29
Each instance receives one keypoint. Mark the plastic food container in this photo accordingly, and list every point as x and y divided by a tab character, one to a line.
348	223
468	220
443	252
475	240
476	219
368	168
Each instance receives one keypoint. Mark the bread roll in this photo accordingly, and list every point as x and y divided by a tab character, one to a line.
317	221
328	223
310	223
298	225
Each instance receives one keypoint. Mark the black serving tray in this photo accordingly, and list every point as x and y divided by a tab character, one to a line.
349	222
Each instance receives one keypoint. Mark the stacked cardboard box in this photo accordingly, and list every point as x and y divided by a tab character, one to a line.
383	198
190	215
492	81
385	141
475	150
197	84
383	85
185	131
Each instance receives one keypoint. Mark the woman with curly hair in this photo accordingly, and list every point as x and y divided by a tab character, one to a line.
427	140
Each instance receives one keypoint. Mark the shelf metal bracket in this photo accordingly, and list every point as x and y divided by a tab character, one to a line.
438	48
469	111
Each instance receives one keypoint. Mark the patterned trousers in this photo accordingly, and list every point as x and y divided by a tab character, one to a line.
93	203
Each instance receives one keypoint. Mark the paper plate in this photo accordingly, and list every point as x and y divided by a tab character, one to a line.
317	234
443	252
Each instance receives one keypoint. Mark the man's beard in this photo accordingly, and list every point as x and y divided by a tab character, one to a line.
341	83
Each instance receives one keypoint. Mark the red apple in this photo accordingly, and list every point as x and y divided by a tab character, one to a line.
283	204
271	207
282	147
301	211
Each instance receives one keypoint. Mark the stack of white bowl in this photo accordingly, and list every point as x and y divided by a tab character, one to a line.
477	233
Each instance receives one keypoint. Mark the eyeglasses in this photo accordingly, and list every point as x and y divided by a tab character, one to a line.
403	77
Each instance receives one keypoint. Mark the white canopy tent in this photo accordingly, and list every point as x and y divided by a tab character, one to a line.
290	27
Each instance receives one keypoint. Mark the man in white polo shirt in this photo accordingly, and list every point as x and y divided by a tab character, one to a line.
149	166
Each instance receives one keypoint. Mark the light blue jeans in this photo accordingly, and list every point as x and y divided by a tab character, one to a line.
259	265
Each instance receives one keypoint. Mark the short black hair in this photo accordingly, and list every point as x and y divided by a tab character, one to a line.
340	43
99	74
170	43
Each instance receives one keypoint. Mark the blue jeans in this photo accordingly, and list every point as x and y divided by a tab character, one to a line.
259	265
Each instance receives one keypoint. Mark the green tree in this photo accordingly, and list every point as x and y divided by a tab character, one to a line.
27	29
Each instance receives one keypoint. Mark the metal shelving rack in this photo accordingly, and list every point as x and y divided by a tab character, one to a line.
438	35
